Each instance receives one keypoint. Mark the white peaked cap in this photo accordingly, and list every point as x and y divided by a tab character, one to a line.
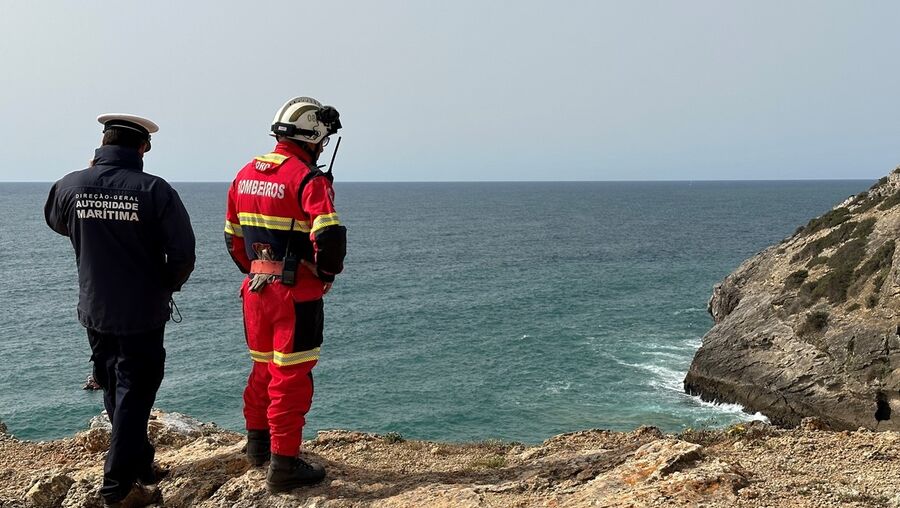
123	119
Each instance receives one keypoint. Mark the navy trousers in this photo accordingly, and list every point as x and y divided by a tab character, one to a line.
130	369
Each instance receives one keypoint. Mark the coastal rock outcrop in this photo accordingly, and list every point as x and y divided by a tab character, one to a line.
745	465
809	327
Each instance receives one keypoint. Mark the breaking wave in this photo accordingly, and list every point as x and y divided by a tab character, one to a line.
669	381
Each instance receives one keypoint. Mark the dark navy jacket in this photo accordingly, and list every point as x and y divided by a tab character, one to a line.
133	241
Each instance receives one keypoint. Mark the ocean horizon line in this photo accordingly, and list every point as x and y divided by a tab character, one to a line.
784	180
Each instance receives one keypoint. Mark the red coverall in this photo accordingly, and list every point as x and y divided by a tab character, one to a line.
283	324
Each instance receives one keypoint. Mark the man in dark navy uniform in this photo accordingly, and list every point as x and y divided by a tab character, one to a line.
134	247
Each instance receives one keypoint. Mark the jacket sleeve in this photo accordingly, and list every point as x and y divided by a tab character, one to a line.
327	233
178	241
55	214
234	236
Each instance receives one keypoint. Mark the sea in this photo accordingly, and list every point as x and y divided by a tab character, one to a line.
466	311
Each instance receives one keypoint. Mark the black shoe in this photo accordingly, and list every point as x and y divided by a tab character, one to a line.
138	497
152	475
288	473
258	446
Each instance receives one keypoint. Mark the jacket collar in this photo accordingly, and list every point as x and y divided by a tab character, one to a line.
291	149
113	155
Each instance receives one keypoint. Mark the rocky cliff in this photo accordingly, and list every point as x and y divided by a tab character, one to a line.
746	465
809	327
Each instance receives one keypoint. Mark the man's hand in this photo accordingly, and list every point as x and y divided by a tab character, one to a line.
326	287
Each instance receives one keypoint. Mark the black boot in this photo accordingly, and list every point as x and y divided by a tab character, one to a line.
139	496
152	475
288	473
258	445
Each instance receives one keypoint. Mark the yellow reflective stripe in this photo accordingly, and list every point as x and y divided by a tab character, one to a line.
282	359
260	356
323	221
233	229
272	222
274	158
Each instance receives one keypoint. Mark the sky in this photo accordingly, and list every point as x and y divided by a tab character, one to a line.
463	90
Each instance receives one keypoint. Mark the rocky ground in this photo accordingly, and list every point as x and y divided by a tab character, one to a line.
746	465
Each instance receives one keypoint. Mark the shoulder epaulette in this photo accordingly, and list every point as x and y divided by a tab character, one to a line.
270	160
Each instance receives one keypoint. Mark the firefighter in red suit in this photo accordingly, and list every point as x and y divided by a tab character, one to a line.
281	228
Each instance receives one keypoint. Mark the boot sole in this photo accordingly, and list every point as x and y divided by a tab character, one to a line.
281	488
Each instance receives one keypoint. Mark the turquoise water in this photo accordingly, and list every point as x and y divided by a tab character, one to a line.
467	310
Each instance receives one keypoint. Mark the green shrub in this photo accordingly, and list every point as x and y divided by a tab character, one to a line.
815	322
703	436
796	279
489	462
878	265
751	432
835	284
828	221
832	285
880	261
839	235
853	308
392	437
890	202
868	204
878	281
848	256
496	444
816	261
871	301
865	228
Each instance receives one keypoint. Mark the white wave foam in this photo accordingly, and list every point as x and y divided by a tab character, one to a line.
689	310
557	387
664	354
666	378
671	380
732	409
685	345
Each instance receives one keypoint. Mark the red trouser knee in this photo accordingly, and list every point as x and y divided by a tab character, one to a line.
284	338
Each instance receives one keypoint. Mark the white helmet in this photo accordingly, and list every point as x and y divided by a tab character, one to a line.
306	119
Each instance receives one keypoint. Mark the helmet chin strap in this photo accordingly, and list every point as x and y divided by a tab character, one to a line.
306	147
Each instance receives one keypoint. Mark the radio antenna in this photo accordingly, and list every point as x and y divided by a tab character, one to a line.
333	155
